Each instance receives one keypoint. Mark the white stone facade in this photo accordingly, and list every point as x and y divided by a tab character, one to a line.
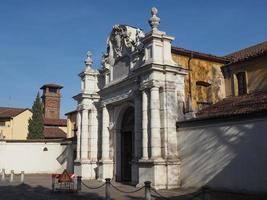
127	110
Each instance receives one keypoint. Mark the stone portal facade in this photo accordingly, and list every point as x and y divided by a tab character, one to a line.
127	110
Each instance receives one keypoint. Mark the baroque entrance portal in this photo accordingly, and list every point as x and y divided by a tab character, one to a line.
127	132
127	110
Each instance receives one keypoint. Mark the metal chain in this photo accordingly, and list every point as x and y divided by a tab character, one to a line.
92	188
195	195
127	192
160	196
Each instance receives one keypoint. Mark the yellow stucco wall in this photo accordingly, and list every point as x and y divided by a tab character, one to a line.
6	129
206	71
17	128
71	120
256	74
20	125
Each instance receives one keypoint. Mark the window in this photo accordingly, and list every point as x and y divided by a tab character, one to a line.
241	83
2	123
203	92
52	90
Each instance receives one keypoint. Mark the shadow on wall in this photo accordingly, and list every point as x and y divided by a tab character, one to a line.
229	155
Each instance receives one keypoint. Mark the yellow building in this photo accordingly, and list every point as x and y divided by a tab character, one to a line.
14	123
204	84
71	124
246	73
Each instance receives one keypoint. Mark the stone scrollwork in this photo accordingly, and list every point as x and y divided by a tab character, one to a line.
123	40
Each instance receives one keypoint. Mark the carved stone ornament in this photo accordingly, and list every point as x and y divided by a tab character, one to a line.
88	60
154	20
123	40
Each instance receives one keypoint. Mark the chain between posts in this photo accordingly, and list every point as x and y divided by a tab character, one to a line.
92	188
127	192
160	196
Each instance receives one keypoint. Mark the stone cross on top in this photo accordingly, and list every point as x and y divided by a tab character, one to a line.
154	20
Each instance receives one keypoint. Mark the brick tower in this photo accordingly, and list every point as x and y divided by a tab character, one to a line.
51	100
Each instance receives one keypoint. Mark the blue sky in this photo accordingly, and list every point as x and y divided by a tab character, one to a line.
46	41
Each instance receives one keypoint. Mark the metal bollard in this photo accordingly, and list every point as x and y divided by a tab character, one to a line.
79	183
22	177
12	176
3	175
108	188
53	183
206	194
147	190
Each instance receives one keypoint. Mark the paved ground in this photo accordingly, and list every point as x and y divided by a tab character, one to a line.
38	187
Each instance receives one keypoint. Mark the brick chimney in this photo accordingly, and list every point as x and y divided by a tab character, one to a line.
51	100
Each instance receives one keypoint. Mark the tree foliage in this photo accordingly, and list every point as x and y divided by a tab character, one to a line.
36	127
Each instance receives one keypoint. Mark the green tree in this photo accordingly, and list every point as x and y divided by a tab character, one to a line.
36	127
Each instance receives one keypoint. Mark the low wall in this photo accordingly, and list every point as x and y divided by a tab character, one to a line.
35	156
230	154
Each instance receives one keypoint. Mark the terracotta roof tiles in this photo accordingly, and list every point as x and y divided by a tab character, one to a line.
235	106
54	122
244	54
196	54
6	112
52	133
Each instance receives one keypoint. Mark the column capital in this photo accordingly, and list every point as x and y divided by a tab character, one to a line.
149	84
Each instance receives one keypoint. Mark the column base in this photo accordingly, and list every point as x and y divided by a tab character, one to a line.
162	174
106	168
87	169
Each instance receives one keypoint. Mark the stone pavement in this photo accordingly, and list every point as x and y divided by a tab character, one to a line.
38	187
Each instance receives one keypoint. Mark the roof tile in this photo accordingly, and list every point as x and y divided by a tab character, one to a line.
52	132
248	52
6	112
240	105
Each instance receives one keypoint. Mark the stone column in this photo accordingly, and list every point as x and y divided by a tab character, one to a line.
144	126
105	134
137	125
78	133
155	123
94	135
84	135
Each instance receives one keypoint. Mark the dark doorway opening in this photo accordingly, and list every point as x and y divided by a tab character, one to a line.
127	130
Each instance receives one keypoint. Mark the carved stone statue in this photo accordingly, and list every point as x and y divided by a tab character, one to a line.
123	41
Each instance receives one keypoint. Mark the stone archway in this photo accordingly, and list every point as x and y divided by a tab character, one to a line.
127	144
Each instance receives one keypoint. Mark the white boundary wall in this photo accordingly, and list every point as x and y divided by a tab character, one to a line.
226	154
31	157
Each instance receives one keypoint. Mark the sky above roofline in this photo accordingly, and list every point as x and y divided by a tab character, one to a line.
46	41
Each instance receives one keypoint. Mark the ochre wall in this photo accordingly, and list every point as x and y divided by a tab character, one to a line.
71	120
20	125
7	129
256	72
202	70
17	128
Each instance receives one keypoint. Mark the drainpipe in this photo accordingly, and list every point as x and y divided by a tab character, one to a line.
189	108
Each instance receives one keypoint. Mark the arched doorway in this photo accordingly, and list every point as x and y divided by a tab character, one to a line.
127	133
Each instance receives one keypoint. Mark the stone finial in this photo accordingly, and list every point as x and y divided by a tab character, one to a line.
154	20
88	60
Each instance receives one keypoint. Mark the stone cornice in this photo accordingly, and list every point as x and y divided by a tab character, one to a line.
150	84
159	67
84	95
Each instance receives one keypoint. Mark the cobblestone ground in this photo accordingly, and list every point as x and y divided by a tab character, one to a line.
38	187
